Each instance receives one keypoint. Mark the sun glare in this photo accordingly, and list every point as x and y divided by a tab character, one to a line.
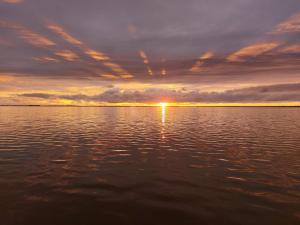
163	104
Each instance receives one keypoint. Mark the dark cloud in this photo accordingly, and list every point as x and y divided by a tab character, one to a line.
274	93
38	95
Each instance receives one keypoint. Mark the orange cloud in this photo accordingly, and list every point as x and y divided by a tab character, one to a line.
163	72
200	62
146	61
34	38
67	37
106	61
28	35
96	55
109	76
252	51
197	67
149	71
117	69
206	56
67	55
144	57
46	59
291	49
126	76
99	56
291	25
12	1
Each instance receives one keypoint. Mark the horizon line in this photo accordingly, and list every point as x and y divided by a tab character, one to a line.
167	104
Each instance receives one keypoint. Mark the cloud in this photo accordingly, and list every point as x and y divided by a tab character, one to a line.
273	93
197	67
252	51
46	59
28	35
12	1
163	72
146	61
117	69
38	95
291	49
109	76
107	35
96	55
67	37
291	25
67	55
106	61
99	56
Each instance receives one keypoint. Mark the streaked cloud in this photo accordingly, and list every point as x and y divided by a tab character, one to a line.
94	54
34	38
107	61
252	51
67	55
117	69
146	61
60	31
12	1
197	67
28	35
46	59
207	55
291	25
291	49
144	57
99	56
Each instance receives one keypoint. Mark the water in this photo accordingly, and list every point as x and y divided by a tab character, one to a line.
68	165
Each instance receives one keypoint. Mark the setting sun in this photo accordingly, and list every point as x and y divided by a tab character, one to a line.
163	104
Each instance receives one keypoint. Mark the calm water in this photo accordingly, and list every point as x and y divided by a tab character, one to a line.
71	166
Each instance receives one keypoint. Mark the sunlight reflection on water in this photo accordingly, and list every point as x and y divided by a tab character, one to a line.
142	165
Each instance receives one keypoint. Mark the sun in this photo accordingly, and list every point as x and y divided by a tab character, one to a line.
163	104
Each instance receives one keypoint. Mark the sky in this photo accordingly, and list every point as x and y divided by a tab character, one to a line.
93	52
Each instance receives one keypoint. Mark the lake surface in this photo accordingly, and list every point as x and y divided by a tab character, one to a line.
149	165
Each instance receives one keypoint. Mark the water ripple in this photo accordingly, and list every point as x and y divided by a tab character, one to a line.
124	166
